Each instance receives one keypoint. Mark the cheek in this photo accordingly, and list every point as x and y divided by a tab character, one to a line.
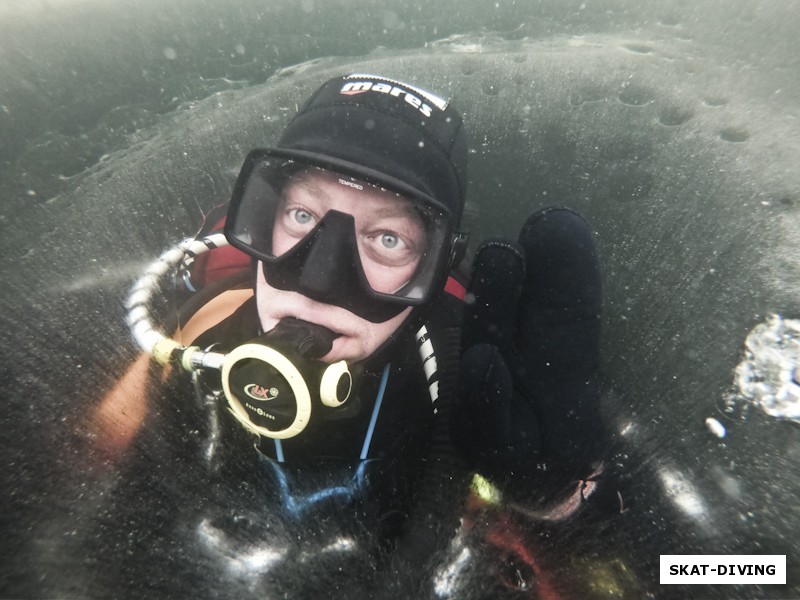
281	241
371	337
378	333
264	301
387	280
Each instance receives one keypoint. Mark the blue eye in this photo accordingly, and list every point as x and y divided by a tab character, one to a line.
389	240
301	216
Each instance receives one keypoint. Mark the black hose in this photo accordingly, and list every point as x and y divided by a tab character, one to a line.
445	478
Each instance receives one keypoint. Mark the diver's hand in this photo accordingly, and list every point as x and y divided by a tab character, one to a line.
530	397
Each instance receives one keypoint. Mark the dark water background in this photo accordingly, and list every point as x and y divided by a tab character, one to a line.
672	126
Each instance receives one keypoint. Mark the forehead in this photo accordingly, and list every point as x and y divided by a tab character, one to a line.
341	192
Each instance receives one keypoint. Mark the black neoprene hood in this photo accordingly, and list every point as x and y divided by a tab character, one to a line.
384	132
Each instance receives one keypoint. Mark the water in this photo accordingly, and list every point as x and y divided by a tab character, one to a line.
673	127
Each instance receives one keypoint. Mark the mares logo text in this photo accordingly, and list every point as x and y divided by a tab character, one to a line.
359	87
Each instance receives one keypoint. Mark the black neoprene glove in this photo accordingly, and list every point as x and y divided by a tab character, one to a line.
529	398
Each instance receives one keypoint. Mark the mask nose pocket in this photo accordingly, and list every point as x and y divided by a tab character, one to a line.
332	267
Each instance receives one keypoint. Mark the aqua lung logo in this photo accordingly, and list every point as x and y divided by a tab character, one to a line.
257	392
353	88
259	411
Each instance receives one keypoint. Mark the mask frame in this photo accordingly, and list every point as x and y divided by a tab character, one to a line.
251	219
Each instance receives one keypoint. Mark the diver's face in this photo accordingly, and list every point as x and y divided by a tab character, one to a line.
390	236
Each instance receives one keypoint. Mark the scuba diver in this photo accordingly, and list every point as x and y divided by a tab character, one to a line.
328	309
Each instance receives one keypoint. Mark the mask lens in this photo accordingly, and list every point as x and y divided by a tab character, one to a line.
282	210
391	234
252	210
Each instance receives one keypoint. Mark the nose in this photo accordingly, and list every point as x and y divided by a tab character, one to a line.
332	267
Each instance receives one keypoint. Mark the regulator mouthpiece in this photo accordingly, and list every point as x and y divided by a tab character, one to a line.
309	339
273	382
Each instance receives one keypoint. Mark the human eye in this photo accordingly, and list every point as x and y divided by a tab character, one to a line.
390	241
300	216
297	220
390	248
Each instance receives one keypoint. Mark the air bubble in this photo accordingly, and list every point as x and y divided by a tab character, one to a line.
468	68
638	48
767	377
635	97
669	22
715	101
586	95
674	116
715	427
733	134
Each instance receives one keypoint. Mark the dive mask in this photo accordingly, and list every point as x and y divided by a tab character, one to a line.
327	261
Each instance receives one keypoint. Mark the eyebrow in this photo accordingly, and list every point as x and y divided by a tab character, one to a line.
308	185
394	210
400	207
